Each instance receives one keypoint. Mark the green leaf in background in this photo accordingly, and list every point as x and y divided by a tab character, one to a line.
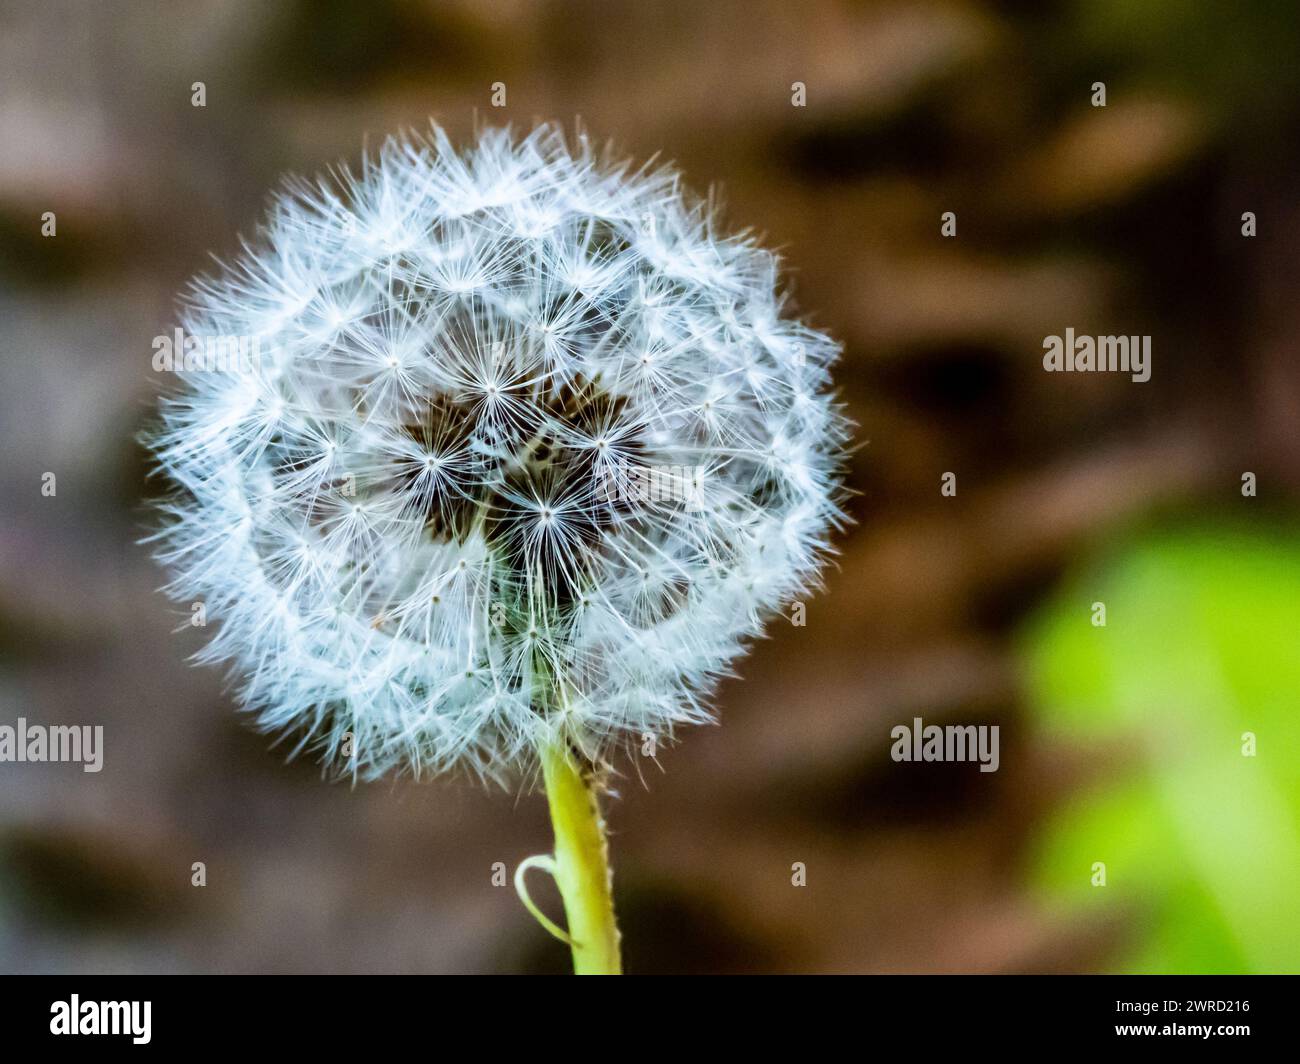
1201	844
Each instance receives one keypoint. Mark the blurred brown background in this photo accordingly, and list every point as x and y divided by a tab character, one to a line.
1122	219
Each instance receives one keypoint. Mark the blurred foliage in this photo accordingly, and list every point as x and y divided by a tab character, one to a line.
1236	60
1201	843
341	47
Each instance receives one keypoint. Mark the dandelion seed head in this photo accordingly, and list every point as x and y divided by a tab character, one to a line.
529	454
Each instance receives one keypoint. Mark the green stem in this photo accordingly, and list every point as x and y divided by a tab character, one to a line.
581	864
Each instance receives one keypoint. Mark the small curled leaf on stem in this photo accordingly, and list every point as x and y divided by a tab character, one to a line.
545	862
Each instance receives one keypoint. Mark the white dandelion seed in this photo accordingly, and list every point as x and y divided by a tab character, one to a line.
413	516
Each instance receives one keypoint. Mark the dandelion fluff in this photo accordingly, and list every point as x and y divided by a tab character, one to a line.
528	453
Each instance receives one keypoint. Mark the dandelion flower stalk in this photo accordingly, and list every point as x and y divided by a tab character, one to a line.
581	866
525	454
